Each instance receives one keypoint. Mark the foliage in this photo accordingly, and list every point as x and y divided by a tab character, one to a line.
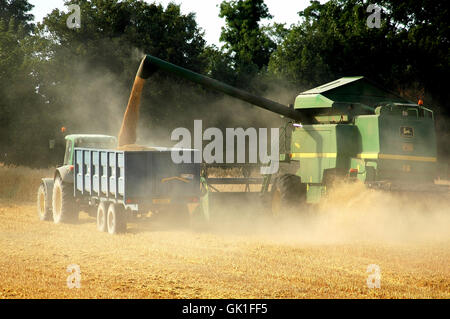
52	76
409	52
246	41
18	10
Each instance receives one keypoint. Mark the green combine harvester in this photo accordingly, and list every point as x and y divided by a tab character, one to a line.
350	128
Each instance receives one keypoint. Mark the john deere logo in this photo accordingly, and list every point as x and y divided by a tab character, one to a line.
406	131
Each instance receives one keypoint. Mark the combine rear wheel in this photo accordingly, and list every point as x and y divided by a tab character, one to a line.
44	204
63	203
116	219
288	194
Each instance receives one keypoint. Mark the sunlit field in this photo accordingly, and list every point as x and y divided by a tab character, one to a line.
323	256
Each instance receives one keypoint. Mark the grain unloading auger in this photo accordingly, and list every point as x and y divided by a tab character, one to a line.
151	64
350	128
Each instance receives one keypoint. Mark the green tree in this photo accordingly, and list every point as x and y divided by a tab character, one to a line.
24	127
81	78
333	40
408	53
423	29
246	41
89	69
19	11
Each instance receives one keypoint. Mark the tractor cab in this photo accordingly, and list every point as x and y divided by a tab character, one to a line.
87	141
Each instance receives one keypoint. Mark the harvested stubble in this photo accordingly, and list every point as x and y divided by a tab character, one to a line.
248	260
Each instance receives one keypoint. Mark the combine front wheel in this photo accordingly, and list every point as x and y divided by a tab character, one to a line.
288	194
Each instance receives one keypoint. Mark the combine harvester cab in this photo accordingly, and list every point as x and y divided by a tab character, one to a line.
404	154
364	132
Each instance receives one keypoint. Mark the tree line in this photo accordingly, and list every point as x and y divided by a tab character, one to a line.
53	76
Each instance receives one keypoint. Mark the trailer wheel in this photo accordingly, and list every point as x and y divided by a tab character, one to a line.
102	217
44	208
63	203
116	221
288	194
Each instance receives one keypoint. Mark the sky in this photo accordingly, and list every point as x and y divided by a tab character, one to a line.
207	12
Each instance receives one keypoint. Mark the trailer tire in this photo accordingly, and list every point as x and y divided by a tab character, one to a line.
63	203
44	206
116	221
102	217
288	194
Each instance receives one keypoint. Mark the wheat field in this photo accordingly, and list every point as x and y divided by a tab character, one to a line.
326	256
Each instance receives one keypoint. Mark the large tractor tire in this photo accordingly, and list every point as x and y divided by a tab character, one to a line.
116	219
102	213
288	195
63	203
44	203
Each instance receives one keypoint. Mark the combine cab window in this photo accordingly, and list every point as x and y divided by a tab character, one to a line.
427	113
410	112
67	155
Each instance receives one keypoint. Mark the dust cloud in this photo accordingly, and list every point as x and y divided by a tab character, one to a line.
352	213
349	213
